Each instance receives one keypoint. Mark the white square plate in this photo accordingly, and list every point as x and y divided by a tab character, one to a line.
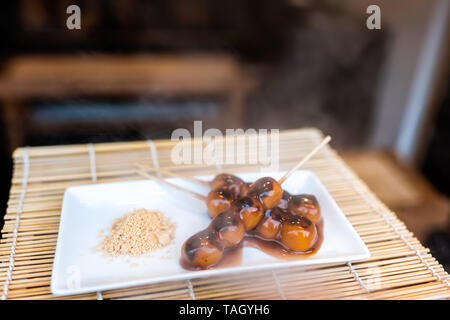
78	267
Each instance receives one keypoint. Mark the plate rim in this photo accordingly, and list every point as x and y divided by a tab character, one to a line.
201	273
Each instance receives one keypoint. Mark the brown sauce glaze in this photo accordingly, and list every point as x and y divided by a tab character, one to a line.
229	228
230	182
249	210
284	202
276	249
233	256
279	232
305	205
267	190
211	246
218	201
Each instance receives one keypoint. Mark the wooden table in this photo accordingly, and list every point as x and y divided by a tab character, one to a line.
403	190
399	266
42	77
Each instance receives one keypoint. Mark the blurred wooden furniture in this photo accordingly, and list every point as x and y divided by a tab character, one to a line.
40	77
403	190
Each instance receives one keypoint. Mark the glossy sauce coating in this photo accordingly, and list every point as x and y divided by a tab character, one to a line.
198	258
201	251
259	215
298	233
250	211
267	190
278	250
230	182
218	201
208	247
305	205
284	202
229	228
270	226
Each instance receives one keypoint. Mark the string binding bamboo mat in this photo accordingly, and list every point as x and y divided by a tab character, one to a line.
399	266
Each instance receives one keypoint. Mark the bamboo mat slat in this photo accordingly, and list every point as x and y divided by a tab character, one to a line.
399	266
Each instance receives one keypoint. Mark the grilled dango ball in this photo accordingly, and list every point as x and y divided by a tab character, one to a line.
284	202
250	211
218	201
230	182
202	250
270	226
305	205
298	233
229	228
267	190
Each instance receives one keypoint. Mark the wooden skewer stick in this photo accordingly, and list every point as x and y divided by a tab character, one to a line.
170	173
306	158
149	176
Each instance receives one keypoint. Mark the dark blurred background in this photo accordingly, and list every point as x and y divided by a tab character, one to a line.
140	69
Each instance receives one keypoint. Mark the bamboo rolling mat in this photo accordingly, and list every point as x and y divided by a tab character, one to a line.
399	266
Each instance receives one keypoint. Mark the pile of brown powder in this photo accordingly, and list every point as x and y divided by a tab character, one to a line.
139	232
